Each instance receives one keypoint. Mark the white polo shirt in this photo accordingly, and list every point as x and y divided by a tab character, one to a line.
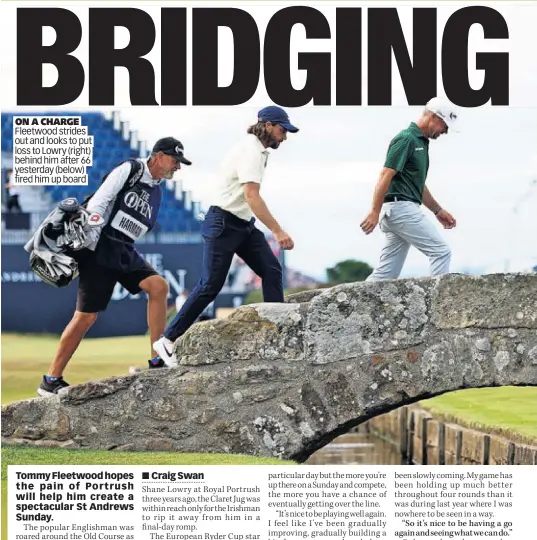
245	162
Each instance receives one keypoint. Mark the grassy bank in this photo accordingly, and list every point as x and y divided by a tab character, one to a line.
508	411
25	358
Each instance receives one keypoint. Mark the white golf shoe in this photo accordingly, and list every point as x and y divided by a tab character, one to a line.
164	348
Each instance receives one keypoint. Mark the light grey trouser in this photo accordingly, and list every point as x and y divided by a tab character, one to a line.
405	225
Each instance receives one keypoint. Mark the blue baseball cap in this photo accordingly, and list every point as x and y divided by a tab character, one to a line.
276	115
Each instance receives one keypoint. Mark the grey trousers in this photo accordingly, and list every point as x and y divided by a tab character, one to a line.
405	225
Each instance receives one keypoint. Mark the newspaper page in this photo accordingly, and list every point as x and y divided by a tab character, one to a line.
268	270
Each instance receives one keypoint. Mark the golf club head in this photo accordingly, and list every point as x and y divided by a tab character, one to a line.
69	206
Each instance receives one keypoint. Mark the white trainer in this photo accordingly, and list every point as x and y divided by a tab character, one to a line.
164	348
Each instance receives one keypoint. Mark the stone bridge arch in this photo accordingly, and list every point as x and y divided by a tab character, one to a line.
285	379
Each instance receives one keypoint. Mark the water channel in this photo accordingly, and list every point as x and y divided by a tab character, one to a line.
359	448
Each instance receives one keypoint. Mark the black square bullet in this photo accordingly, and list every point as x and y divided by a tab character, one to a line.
145	476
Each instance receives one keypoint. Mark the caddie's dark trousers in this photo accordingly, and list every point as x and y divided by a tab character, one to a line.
224	234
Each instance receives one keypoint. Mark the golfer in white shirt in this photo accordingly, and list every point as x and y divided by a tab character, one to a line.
229	226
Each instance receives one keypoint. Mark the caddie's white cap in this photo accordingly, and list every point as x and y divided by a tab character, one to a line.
445	110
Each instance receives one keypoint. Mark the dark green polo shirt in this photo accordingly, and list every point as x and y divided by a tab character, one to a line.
408	154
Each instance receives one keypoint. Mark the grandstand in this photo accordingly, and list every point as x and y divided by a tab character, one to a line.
113	143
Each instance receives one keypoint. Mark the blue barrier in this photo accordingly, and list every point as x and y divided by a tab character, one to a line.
31	306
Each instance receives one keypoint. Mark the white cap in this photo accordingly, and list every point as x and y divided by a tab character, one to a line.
443	109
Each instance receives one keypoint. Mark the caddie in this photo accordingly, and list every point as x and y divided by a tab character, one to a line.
401	190
127	205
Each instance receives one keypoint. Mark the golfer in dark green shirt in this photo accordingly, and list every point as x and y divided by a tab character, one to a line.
400	192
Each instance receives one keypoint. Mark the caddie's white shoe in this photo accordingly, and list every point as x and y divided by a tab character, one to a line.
164	348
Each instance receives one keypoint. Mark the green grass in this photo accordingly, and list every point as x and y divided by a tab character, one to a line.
25	358
509	411
4	505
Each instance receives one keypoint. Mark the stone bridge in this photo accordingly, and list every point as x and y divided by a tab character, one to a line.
285	379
